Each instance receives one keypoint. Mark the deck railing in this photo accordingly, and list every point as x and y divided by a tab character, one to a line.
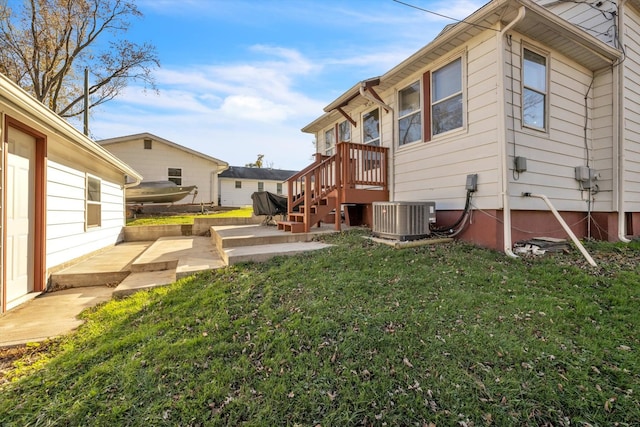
354	166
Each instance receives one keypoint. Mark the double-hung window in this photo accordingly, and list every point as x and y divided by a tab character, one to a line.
344	131
534	90
329	142
371	127
175	175
447	111
93	202
409	120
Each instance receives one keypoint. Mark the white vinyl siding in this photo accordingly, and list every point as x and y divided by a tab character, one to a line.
553	156
437	170
231	196
154	165
66	235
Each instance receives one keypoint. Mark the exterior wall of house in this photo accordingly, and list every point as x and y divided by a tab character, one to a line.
237	197
153	165
631	110
67	236
586	16
62	162
552	155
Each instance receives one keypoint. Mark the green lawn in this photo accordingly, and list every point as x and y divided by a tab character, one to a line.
188	219
357	334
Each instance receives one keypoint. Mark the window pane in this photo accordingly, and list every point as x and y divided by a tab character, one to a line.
93	190
329	141
447	80
279	188
535	74
447	115
238	184
409	99
260	186
175	172
533	109
410	129
371	127
177	181
93	215
344	129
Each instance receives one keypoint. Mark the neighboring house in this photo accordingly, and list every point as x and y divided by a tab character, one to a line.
237	184
532	99
62	195
158	159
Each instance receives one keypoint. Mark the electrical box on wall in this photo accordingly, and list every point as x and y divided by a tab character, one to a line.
472	182
586	176
520	164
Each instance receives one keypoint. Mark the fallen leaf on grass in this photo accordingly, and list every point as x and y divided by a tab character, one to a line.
406	362
608	405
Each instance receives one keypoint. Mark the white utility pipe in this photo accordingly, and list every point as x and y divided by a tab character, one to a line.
565	226
621	134
502	136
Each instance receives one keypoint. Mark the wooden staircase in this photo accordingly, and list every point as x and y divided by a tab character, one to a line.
356	176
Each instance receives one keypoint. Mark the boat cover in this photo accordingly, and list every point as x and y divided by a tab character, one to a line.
266	203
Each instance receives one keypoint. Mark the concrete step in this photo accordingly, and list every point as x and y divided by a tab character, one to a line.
260	253
143	281
184	254
109	267
254	235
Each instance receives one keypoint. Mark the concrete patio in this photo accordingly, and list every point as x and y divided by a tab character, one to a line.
134	266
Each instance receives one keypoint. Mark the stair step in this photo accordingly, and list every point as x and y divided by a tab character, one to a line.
292	226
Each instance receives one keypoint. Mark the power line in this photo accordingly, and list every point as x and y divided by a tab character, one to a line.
444	16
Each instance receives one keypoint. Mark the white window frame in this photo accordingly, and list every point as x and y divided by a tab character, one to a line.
544	92
329	141
92	206
260	186
238	184
452	96
279	188
174	177
410	114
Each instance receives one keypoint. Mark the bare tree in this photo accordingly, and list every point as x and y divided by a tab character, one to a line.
46	44
257	163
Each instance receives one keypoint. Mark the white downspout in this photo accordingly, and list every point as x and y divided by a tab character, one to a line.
502	137
565	226
620	136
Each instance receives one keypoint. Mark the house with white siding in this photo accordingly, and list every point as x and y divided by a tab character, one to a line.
521	108
238	183
158	159
62	195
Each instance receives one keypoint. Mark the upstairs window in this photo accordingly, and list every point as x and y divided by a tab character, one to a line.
409	120
238	184
446	98
344	131
534	81
147	144
260	186
329	142
175	175
279	188
371	127
93	202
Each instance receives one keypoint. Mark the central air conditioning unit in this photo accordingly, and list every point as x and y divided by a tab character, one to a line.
403	220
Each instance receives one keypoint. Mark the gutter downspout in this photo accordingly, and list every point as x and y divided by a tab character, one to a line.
565	226
368	96
620	138
502	137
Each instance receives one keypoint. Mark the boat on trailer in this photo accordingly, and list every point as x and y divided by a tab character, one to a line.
158	192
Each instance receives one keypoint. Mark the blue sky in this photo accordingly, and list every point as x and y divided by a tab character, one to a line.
240	78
